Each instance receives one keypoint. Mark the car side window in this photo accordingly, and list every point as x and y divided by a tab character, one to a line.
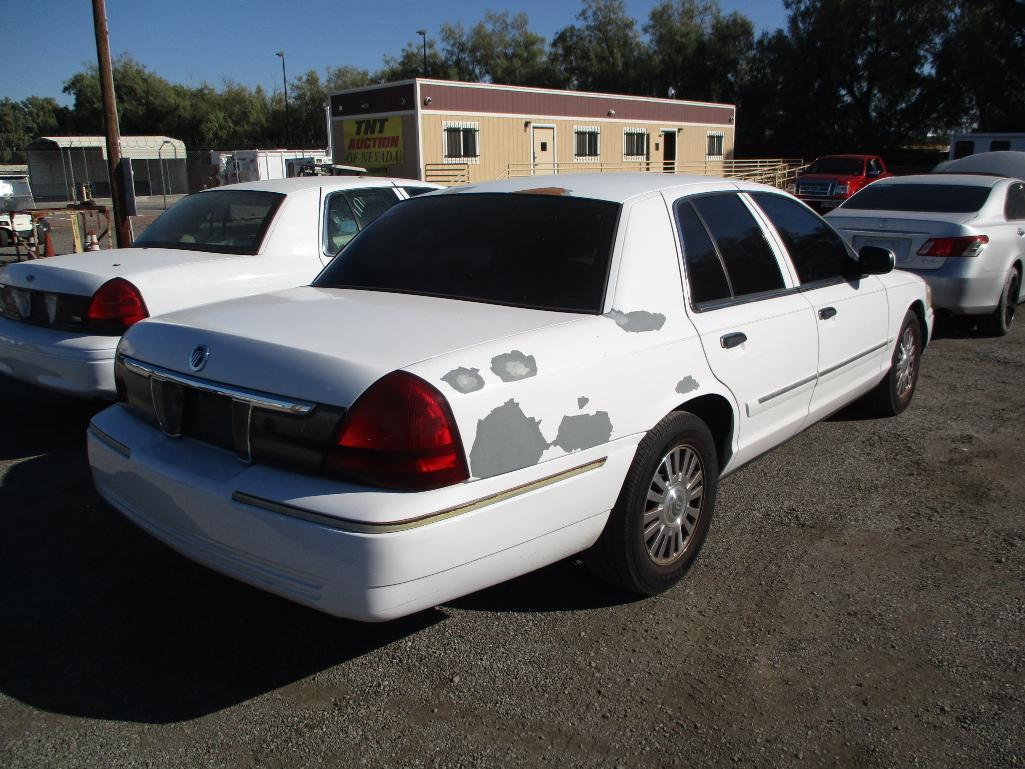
369	204
705	273
818	253
1014	209
750	264
339	224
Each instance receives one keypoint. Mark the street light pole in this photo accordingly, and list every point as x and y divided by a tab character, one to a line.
284	79
423	35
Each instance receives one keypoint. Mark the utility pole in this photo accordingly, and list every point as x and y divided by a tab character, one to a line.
121	224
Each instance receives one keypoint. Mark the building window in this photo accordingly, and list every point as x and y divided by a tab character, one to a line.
586	143
635	144
715	141
460	143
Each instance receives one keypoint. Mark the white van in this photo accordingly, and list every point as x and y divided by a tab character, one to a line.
963	145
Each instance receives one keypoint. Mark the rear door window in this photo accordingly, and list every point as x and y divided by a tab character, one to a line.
414	191
750	263
706	275
348	212
1014	209
818	253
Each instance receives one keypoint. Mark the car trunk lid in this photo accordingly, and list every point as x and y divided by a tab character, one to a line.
904	235
341	340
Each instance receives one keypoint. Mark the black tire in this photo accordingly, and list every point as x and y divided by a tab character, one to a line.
892	395
621	555
1000	321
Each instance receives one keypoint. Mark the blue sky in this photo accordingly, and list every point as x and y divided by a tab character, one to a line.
195	41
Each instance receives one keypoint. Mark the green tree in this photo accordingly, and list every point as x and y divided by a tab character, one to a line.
602	53
980	67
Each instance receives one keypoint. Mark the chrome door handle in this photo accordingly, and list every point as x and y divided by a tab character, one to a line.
1021	231
827	312
732	340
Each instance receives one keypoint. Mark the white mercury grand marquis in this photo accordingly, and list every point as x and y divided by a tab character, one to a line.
60	318
497	377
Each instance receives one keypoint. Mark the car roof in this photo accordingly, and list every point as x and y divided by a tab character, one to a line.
615	187
972	180
297	183
1009	163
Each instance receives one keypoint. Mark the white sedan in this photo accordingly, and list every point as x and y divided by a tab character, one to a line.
61	318
497	377
964	234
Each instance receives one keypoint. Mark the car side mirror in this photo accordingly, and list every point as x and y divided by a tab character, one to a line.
873	260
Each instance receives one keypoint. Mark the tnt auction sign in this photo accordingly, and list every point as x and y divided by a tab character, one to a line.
373	142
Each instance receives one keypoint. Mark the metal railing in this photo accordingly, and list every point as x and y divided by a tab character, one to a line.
447	173
778	172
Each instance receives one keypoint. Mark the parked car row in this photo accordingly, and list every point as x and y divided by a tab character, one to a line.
486	380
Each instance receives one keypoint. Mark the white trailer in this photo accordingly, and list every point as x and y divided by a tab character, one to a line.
963	145
260	165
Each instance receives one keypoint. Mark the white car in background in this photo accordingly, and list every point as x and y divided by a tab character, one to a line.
963	233
497	377
61	317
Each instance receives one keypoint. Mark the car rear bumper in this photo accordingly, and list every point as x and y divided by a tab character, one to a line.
312	541
961	295
75	364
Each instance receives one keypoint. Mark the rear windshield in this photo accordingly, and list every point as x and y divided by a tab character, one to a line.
932	198
537	251
223	221
836	166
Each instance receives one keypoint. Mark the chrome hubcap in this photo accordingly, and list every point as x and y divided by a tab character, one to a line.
906	363
673	505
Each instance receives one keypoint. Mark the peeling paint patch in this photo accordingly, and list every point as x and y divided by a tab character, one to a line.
583	431
637	321
465	380
686	385
511	366
582	401
506	440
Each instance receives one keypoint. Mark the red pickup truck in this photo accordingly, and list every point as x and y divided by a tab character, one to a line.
831	179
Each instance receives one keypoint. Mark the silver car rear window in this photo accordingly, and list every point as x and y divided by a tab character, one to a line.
931	198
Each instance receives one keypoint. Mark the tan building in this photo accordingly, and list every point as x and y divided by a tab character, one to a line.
445	131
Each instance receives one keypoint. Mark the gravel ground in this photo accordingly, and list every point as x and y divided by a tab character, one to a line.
860	602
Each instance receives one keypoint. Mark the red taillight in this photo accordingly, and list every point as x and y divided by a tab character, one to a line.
399	434
970	245
115	306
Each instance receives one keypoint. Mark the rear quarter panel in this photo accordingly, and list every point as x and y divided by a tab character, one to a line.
528	399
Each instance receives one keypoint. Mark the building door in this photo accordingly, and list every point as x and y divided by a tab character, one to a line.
669	152
544	150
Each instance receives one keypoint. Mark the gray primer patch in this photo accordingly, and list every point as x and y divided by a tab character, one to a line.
514	365
582	401
583	431
686	385
465	380
637	321
507	439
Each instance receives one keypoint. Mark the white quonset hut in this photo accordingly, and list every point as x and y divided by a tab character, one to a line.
59	165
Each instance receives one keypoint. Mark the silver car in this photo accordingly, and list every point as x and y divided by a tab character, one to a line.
963	233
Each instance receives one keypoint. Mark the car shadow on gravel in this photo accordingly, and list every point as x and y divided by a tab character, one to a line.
563	586
99	620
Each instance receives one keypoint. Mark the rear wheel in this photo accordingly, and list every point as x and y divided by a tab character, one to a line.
892	395
1000	322
664	509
